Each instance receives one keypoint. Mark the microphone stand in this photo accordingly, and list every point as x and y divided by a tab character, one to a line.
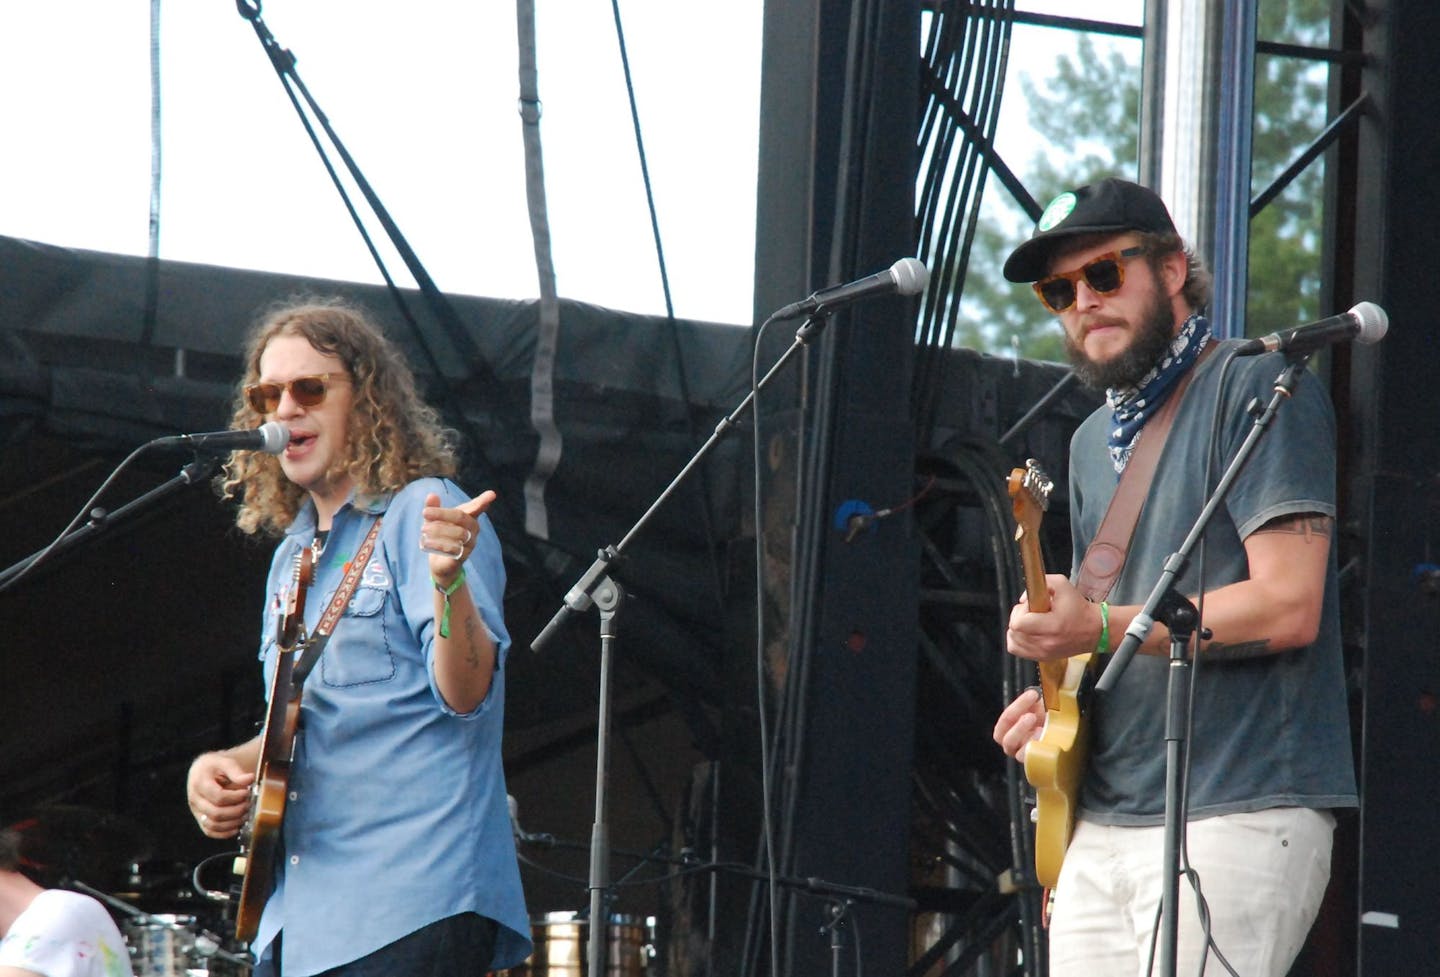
598	588
197	471
1180	616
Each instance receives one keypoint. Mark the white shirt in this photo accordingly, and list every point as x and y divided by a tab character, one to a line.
66	934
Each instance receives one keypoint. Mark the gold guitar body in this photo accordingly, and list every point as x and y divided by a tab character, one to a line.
1055	762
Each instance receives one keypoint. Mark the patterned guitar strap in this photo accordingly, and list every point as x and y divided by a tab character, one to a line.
315	644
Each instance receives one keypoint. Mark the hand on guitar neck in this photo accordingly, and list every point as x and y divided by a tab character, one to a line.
1069	625
1052	619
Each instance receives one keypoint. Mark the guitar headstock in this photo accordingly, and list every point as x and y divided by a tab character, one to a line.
1030	490
292	621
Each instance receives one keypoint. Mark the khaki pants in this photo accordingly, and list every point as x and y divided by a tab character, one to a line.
1262	876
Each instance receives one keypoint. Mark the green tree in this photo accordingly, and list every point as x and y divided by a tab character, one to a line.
1088	112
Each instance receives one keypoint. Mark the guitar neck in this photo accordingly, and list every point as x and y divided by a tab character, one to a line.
1037	594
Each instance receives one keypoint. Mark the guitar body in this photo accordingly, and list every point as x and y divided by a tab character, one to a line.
260	836
1055	762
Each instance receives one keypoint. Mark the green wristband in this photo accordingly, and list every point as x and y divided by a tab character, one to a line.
445	592
1102	647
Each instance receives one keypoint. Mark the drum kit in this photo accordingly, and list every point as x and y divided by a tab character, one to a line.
172	926
168	924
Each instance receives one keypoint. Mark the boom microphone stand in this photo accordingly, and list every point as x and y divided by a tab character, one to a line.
198	471
1171	607
598	588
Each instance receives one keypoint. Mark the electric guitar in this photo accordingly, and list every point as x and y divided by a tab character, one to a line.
1054	762
254	866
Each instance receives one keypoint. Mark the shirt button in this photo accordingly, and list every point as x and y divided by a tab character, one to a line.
294	859
294	794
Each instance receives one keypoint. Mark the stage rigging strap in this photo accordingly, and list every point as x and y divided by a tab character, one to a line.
542	370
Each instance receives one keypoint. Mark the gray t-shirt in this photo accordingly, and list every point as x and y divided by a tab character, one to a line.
1270	731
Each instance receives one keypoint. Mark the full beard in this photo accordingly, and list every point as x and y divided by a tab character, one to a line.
1157	329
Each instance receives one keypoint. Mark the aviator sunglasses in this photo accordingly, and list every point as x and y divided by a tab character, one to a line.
264	398
1104	275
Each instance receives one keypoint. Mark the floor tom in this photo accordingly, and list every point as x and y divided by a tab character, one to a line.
562	947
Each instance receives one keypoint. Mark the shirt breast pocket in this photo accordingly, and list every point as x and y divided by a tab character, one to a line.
358	652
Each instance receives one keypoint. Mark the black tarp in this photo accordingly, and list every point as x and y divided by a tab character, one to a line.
85	379
124	657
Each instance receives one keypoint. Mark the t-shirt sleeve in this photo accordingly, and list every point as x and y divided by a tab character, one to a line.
1292	468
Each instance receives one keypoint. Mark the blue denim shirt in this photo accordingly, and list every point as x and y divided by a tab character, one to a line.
397	813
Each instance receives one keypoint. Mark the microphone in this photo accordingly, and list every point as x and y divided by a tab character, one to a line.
908	276
1365	323
271	436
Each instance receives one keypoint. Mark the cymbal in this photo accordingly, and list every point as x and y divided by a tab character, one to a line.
76	842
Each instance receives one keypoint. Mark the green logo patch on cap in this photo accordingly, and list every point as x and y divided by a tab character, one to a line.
1059	209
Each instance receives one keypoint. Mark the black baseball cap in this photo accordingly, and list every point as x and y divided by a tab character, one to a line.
1108	206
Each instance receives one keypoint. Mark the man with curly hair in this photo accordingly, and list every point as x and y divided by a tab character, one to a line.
397	853
52	932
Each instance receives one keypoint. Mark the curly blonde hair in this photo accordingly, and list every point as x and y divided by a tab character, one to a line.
393	436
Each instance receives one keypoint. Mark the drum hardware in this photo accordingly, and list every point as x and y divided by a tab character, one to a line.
169	944
562	946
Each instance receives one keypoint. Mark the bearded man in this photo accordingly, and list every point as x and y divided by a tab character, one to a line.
1268	753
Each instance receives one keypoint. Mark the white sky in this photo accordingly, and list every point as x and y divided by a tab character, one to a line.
423	94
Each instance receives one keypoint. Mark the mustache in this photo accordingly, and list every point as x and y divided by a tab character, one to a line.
1093	322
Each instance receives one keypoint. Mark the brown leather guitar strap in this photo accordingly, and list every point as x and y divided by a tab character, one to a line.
336	607
1105	557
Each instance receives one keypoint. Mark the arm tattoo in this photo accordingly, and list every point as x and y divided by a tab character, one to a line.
472	651
1311	525
1219	651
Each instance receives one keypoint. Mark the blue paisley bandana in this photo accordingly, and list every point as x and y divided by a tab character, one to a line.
1133	406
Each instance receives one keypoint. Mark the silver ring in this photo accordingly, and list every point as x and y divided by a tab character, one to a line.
468	537
204	819
459	551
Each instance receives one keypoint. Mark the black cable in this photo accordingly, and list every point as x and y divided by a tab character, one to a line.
984	471
962	74
672	327
767	747
86	510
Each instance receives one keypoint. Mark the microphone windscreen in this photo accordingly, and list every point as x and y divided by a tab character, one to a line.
274	436
911	276
1374	323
